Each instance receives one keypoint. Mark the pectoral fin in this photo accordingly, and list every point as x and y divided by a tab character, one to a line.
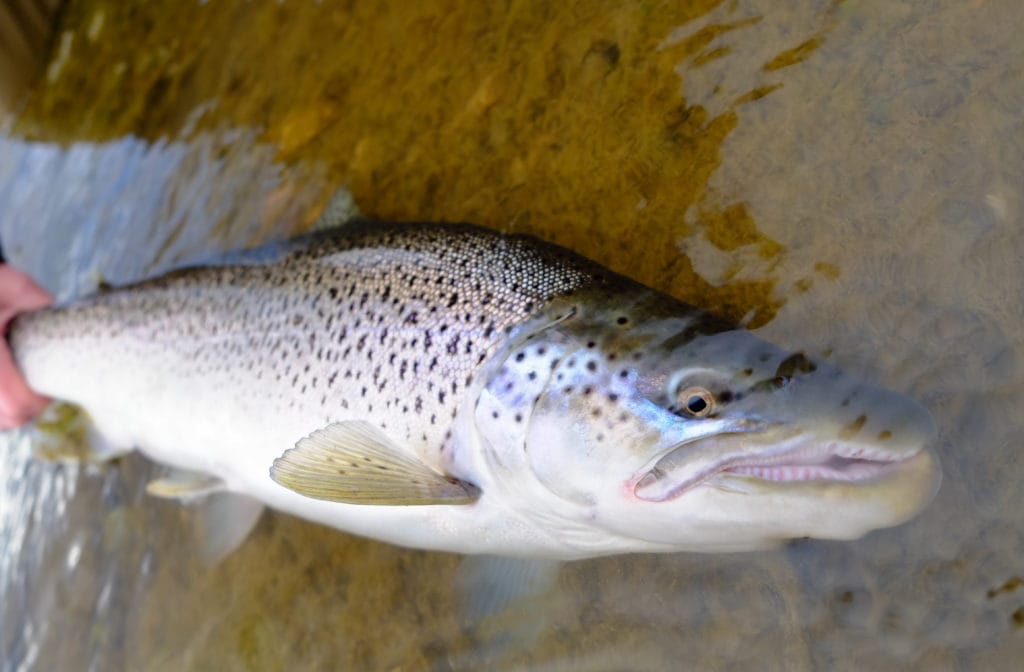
223	522
505	604
355	463
491	584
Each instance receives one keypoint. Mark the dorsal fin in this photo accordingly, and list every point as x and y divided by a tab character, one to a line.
340	210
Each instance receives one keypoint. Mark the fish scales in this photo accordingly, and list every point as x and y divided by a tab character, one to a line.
386	324
556	409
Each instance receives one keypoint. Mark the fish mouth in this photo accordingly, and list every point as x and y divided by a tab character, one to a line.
788	460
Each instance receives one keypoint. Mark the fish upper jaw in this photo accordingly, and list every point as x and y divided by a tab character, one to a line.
774	455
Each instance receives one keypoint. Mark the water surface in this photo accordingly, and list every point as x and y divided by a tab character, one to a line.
845	177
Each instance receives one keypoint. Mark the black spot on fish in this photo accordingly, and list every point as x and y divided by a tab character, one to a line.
703	325
795	364
853	428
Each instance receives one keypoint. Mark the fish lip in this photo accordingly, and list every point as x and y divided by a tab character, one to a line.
831	461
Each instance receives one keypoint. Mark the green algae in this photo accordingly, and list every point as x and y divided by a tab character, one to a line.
562	120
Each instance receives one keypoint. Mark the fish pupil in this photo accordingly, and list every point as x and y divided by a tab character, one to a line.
696	404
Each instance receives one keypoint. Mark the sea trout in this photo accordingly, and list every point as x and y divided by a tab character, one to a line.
449	387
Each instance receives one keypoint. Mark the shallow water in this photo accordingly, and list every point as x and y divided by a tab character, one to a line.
847	177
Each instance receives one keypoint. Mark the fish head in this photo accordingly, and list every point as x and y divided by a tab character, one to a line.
678	431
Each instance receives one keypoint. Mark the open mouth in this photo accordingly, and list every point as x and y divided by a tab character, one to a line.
686	467
835	462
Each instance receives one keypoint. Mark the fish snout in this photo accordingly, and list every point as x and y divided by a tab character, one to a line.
888	421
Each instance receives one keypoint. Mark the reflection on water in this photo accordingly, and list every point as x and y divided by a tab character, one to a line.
80	540
130	208
846	174
34	499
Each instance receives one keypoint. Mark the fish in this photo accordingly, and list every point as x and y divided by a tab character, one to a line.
453	388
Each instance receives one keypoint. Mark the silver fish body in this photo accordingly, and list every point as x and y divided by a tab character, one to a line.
580	413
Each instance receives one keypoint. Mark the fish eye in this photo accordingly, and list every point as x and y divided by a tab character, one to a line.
696	401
